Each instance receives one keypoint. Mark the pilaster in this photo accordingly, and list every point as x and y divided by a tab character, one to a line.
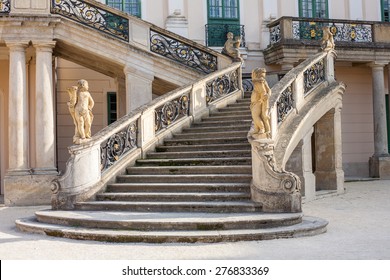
44	105
138	88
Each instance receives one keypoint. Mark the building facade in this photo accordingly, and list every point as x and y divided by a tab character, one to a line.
275	34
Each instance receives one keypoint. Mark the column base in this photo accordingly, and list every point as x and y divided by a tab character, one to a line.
277	202
380	166
27	190
330	180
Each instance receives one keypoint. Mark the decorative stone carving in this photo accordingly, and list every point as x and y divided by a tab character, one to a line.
232	47
276	189
80	106
327	41
260	105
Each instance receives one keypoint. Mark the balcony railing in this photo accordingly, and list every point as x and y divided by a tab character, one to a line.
5	6
289	28
216	34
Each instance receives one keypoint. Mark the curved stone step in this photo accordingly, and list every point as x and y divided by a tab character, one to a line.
167	221
231	114
235	169
238	109
222	122
182	187
185	178
163	206
195	161
210	147
199	154
308	227
174	196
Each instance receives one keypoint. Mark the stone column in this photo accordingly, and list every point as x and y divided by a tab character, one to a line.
328	152
18	113
138	88
380	161
44	115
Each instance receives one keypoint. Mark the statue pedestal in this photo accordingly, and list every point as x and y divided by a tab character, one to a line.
276	189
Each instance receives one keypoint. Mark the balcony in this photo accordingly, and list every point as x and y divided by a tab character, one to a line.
294	39
216	34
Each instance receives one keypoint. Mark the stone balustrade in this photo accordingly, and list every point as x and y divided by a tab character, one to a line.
93	163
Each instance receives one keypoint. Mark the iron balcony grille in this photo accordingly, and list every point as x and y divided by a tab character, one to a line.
216	34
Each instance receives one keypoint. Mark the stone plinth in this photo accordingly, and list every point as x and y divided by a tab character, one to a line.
277	189
380	167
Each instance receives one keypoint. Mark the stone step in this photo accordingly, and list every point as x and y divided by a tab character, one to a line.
239	114
162	206
185	178
168	221
243	104
210	147
199	154
227	118
235	109
308	227
206	141
218	134
215	128
235	169
195	161
174	197
175	187
222	123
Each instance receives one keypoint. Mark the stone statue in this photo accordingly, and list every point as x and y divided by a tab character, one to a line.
327	41
80	107
260	105
232	47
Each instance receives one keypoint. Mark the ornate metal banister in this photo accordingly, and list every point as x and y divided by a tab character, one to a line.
93	16
5	6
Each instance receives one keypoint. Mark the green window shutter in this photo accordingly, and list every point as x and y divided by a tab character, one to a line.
385	10
313	8
132	7
223	17
111	107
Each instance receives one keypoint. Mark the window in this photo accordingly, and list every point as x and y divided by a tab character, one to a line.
385	10
111	107
313	8
132	7
223	17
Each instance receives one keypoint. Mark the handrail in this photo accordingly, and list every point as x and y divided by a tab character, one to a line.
109	151
118	24
293	89
5	6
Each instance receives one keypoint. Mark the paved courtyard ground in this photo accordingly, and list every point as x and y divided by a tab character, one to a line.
359	229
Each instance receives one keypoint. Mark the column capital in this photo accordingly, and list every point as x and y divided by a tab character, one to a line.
14	45
376	65
44	46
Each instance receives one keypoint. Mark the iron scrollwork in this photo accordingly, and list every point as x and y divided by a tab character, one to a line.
182	53
285	103
171	111
221	86
93	16
247	84
5	6
314	76
275	35
118	145
342	32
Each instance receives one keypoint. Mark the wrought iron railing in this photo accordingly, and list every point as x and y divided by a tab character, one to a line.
182	52
216	34
312	29
285	103
172	111
118	145
313	76
5	6
222	86
93	16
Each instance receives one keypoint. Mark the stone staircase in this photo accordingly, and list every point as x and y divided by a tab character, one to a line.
194	187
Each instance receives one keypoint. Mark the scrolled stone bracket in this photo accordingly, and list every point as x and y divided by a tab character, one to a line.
276	189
